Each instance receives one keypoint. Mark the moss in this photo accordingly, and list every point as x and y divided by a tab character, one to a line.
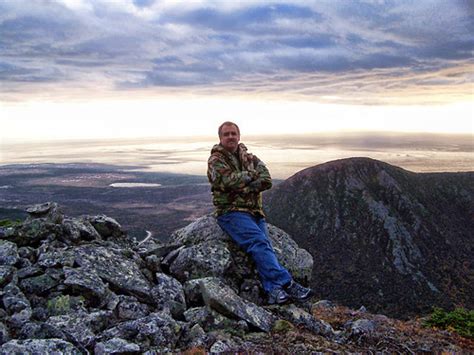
282	326
460	321
7	223
59	305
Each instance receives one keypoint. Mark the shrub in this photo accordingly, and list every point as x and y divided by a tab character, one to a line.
460	320
9	223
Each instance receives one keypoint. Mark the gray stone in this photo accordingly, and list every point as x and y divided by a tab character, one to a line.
360	327
205	230
38	284
82	326
6	274
27	253
14	300
4	334
78	231
38	346
86	282
107	227
157	329
211	320
202	260
116	346
224	300
32	232
29	271
299	316
113	267
192	292
55	257
129	308
169	293
193	337
49	211
8	253
19	318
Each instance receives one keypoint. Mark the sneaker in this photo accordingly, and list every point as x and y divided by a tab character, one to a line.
278	296
298	292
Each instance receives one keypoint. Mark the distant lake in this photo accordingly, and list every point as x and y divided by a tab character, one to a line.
284	155
133	184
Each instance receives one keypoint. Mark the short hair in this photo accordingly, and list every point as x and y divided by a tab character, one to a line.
227	123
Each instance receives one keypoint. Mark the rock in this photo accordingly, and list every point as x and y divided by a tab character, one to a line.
222	346
8	253
48	211
116	346
4	334
6	274
192	292
211	320
38	346
14	300
157	329
129	308
323	304
32	232
27	253
112	266
107	227
29	271
55	257
82	326
193	337
299	316
38	284
205	230
360	327
78	231
201	260
169	293
86	282
223	299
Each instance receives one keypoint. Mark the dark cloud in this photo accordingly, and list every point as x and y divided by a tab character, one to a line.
320	48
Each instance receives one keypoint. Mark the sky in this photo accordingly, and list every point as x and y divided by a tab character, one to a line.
134	68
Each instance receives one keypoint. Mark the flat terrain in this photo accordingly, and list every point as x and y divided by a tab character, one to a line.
144	201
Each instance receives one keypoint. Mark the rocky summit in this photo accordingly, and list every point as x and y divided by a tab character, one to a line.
82	286
395	241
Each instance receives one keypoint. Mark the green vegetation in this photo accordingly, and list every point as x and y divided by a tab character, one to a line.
460	321
9	223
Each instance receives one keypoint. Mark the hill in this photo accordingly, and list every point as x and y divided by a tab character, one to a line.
395	241
82	285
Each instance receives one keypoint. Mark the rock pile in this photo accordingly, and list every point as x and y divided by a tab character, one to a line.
80	285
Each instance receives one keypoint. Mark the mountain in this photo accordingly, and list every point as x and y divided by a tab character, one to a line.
395	241
81	285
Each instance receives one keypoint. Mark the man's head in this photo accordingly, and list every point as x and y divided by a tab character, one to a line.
229	135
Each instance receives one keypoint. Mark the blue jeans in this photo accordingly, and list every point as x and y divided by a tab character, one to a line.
251	234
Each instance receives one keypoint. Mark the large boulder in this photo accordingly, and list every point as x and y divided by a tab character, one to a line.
223	299
210	252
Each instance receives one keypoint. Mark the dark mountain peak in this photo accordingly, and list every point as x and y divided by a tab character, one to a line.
381	235
357	166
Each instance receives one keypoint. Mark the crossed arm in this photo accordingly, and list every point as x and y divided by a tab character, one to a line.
224	178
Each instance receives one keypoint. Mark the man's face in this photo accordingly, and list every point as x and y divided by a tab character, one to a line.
230	138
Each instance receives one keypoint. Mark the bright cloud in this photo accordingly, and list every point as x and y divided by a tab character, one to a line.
355	52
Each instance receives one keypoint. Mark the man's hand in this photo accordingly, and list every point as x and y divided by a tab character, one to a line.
256	185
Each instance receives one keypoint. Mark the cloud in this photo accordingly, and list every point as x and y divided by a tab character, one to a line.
356	50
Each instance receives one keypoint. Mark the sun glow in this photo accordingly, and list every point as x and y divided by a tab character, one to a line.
127	118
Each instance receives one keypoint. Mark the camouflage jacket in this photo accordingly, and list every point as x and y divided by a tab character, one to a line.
237	180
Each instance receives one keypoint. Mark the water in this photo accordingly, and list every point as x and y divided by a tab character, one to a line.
284	155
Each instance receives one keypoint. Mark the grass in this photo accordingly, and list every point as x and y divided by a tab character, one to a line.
460	321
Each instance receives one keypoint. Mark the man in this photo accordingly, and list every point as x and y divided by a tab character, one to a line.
237	180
